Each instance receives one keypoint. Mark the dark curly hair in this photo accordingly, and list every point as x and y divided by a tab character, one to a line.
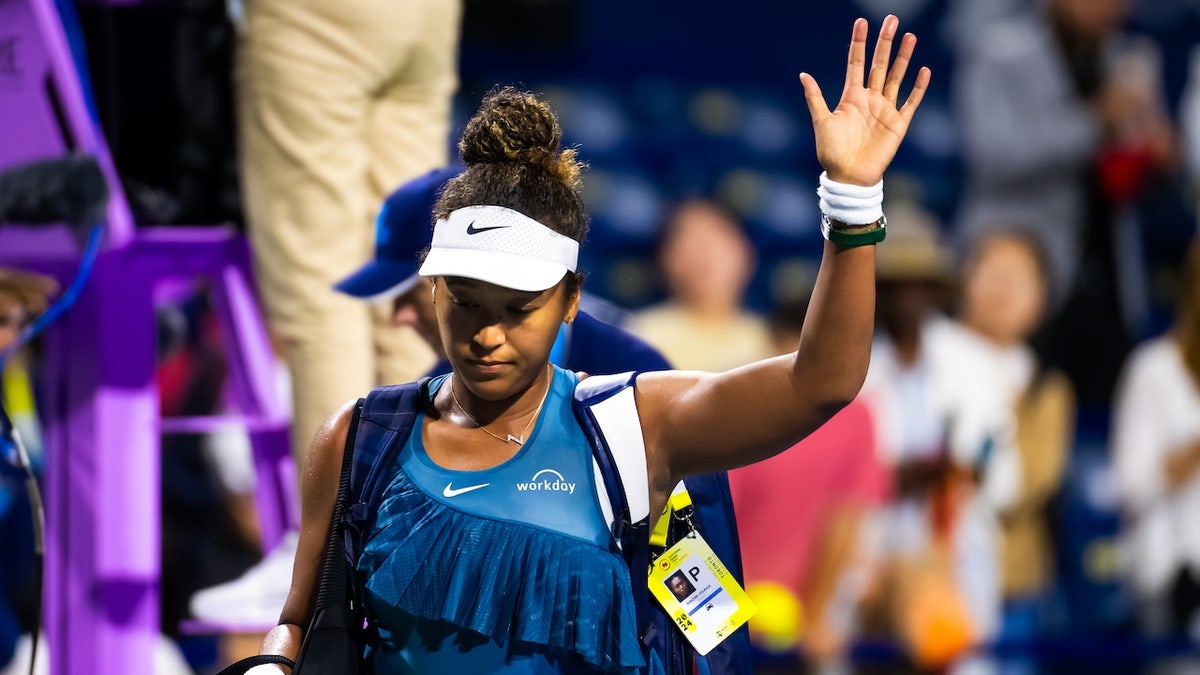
513	151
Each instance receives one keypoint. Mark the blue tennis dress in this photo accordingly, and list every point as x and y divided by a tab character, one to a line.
508	570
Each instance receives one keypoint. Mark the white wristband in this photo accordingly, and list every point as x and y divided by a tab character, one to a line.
852	204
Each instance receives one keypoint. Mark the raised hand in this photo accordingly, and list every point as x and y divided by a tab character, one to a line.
859	138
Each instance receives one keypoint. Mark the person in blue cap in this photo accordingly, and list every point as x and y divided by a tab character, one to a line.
403	230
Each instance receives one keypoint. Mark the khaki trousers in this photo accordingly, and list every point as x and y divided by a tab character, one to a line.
339	102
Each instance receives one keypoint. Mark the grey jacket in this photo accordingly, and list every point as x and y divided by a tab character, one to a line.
1028	138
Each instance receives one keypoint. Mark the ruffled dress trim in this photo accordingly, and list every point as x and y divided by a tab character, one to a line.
507	581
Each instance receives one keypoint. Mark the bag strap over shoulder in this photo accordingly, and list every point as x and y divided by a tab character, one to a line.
607	411
332	636
387	420
332	590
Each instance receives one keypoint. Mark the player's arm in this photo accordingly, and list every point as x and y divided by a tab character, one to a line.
318	494
696	422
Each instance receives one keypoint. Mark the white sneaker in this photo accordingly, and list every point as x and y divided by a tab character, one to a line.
255	599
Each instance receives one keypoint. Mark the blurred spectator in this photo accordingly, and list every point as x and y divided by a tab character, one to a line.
1063	121
22	297
1156	453
707	262
338	103
1005	290
946	432
210	531
799	517
966	19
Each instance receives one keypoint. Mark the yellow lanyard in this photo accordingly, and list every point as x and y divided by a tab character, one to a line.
678	501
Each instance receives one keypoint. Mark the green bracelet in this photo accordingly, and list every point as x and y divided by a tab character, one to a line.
848	236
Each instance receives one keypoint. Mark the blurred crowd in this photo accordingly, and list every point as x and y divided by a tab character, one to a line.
1022	467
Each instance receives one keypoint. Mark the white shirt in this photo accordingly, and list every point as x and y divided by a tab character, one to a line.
951	392
959	380
1157	413
1013	367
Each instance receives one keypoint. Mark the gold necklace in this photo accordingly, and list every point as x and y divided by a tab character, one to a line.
519	440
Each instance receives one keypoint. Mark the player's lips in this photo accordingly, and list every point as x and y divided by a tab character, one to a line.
485	366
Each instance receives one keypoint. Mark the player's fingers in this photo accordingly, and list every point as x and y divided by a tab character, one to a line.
917	93
883	53
857	59
891	88
814	98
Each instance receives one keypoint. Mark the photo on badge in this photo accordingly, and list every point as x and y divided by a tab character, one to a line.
679	585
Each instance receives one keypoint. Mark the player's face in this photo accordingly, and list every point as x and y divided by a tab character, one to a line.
498	339
679	586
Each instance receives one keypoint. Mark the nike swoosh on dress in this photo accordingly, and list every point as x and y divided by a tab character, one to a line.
450	491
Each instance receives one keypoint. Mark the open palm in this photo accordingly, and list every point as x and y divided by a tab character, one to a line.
858	139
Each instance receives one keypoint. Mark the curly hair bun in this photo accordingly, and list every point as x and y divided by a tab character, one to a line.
517	127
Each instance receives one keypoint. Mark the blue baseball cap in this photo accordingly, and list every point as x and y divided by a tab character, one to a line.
402	230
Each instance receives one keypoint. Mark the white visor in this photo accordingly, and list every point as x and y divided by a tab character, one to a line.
500	246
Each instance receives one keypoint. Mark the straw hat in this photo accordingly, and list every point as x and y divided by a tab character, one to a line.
31	290
912	251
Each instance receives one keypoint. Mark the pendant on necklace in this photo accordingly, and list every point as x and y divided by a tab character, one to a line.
514	439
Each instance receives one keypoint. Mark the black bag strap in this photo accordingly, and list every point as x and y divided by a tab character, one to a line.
332	589
331	611
260	660
335	632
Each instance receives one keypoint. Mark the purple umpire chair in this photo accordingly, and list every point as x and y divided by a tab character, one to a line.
102	424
